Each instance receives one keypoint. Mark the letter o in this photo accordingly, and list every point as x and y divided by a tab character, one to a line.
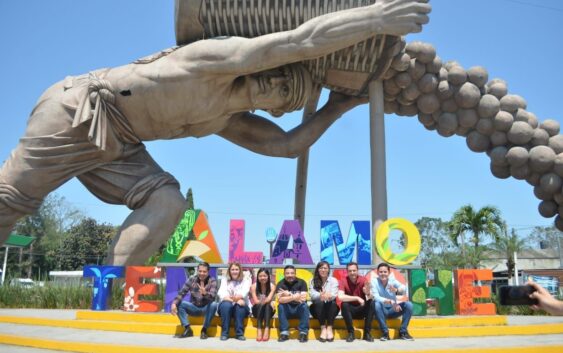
383	245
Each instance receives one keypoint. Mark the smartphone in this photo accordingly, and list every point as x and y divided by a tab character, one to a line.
517	295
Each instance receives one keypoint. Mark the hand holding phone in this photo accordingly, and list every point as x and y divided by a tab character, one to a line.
517	295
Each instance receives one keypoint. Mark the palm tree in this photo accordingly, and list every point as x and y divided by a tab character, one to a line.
508	245
485	221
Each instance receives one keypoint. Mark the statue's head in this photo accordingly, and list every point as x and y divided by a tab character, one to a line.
283	89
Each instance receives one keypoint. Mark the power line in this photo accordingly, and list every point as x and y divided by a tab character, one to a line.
520	2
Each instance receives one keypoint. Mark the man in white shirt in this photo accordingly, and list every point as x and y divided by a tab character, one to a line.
384	291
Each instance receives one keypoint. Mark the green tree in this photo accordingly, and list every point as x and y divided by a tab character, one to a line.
434	238
48	225
87	243
437	250
486	221
547	237
190	199
506	245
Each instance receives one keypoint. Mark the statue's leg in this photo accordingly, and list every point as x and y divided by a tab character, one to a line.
148	227
136	180
50	153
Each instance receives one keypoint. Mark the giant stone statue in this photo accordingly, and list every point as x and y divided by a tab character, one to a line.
92	126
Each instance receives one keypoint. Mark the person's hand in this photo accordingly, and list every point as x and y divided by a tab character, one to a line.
174	309
240	302
393	289
344	101
397	307
360	300
202	289
545	300
283	293
303	297
367	288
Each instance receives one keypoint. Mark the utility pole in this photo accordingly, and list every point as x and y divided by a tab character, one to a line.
559	237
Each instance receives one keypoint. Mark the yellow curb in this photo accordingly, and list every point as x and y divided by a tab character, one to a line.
453	321
540	329
171	329
111	348
93	325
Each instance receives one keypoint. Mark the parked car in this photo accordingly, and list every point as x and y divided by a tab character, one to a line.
22	282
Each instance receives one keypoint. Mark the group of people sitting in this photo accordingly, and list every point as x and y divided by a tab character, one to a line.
354	296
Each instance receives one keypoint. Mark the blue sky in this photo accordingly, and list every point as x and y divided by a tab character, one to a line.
428	175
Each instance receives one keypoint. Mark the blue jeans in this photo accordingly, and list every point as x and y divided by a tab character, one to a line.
291	311
227	310
382	312
188	308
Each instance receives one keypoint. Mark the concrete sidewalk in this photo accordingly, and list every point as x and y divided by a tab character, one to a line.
125	341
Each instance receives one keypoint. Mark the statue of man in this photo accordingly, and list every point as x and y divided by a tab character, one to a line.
92	126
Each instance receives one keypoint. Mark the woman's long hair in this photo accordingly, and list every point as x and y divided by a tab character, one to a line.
240	274
317	281
268	283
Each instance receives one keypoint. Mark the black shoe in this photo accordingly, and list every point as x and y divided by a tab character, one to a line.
303	337
330	339
350	337
187	332
283	338
367	337
384	337
203	334
241	338
322	339
406	336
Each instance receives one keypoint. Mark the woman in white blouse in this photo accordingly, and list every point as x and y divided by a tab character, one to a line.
233	294
323	290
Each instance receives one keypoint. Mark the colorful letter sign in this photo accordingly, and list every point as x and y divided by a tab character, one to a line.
466	292
180	236
442	291
175	279
103	276
300	251
204	245
135	288
359	238
383	244
236	245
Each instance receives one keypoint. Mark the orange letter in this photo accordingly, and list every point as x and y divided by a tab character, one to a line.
466	292
135	288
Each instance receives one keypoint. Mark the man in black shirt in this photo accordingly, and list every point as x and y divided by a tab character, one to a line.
292	298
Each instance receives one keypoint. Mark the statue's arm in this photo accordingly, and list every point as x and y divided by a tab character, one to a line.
317	37
262	136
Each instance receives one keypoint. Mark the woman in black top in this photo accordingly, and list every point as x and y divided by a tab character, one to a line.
262	293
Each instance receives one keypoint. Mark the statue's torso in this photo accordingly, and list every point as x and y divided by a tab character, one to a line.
164	101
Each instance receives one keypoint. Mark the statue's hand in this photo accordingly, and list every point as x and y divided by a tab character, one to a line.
400	17
344	101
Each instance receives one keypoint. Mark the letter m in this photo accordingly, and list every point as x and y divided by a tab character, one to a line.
359	238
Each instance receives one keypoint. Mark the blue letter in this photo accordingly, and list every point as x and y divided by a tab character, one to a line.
359	235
